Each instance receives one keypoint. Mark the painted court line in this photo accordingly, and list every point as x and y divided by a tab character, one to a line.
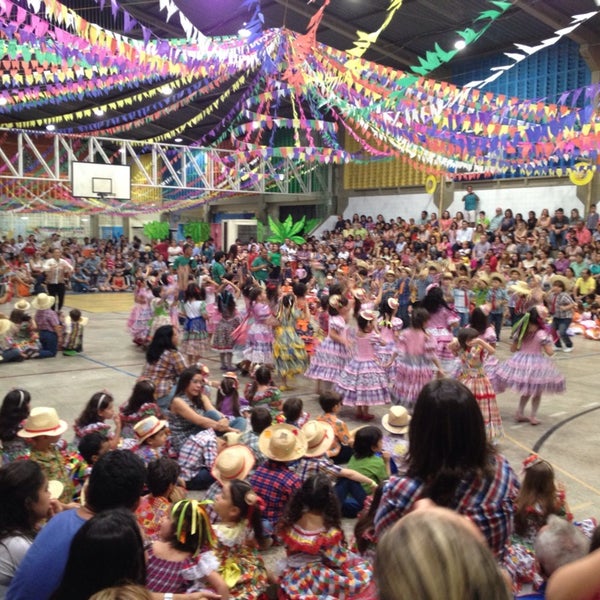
556	467
106	365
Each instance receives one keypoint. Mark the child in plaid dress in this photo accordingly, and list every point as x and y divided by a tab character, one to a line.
319	563
182	560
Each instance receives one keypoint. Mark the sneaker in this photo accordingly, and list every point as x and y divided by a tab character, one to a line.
568	349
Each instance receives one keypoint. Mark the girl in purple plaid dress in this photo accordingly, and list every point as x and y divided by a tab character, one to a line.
529	371
183	559
319	565
333	352
364	381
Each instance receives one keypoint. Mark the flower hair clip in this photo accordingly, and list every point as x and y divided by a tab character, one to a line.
530	461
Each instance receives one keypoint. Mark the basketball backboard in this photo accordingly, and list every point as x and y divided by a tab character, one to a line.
101	180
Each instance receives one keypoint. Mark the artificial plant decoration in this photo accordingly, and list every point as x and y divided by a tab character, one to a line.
260	232
198	231
310	226
286	230
156	230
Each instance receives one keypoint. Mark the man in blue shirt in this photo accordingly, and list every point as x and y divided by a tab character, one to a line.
116	481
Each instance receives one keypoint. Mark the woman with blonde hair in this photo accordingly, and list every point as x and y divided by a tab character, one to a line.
435	554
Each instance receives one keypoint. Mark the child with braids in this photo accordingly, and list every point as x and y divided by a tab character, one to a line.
222	341
183	560
288	348
319	563
240	535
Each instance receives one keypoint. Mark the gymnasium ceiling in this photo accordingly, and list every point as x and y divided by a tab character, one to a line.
416	27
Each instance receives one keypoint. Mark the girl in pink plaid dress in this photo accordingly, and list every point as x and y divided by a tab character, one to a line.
183	559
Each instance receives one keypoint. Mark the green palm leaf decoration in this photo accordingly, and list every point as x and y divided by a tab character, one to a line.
286	230
198	231
156	230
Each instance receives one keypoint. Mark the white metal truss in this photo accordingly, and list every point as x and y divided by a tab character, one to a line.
35	170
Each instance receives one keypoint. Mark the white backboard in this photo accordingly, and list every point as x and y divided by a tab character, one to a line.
101	180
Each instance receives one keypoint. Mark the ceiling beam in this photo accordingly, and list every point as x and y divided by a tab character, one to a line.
557	20
348	31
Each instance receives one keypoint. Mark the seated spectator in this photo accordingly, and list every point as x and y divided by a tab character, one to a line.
163	475
116	481
274	481
260	419
435	554
557	544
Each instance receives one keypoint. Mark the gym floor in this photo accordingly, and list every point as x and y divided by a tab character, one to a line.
567	436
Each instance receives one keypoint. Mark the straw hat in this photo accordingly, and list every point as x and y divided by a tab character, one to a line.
5	326
393	303
368	315
516	272
55	488
397	419
567	282
83	320
359	294
22	305
233	462
462	278
319	437
362	264
232	438
499	277
148	427
43	301
42	420
520	288
282	442
433	265
391	272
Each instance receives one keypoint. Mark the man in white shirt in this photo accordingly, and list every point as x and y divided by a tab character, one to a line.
58	271
464	234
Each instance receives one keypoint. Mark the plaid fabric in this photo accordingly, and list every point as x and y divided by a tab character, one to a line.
150	512
275	484
319	464
46	320
557	302
199	451
250	439
340	430
165	575
164	372
487	502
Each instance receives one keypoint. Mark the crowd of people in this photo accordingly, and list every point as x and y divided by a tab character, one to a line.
403	315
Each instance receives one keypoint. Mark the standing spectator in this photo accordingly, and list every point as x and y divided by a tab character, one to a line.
57	271
558	229
470	200
48	324
591	221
